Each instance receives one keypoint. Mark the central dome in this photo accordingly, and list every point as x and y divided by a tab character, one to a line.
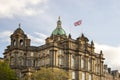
59	30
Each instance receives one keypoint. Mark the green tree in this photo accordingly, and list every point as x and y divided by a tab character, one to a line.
6	73
50	74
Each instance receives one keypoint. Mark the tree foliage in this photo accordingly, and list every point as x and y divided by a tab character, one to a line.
50	74
6	73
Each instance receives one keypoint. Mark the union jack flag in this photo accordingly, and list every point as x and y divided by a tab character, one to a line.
78	23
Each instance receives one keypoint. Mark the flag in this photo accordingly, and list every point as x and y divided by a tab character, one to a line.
78	23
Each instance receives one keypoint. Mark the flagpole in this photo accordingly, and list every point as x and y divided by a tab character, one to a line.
78	23
81	30
70	29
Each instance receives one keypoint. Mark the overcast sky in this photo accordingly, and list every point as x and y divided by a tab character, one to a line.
100	22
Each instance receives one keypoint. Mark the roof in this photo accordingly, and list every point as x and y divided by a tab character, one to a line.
59	31
19	30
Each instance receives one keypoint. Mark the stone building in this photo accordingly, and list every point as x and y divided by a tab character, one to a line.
76	56
1	59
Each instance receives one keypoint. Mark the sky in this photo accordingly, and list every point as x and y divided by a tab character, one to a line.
100	22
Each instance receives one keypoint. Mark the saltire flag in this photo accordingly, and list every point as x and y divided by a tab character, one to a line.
78	23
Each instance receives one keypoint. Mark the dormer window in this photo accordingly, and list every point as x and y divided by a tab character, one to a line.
21	42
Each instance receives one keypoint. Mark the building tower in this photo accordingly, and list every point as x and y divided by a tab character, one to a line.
16	51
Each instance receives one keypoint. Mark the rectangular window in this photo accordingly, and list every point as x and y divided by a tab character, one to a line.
90	77
89	64
73	75
82	63
32	54
60	52
73	62
30	62
60	61
38	64
83	76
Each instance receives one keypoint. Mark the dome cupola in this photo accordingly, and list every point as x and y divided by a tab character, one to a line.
19	30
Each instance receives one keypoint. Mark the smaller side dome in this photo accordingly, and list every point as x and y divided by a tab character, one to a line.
19	30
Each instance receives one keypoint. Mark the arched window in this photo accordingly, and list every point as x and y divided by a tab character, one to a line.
82	63
14	42
73	75
21	42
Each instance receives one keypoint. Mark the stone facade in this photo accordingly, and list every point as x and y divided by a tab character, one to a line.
1	59
77	56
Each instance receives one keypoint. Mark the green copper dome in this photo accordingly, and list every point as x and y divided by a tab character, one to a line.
59	30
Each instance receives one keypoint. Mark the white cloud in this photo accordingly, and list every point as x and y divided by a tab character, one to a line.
111	55
4	36
43	36
37	38
11	8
